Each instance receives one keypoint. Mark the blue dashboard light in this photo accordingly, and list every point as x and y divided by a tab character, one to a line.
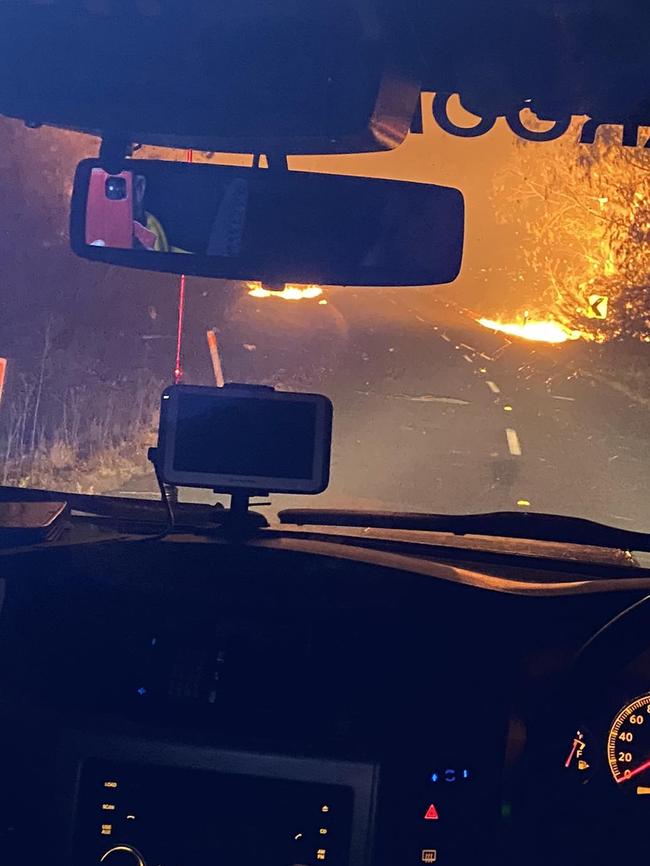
142	691
450	775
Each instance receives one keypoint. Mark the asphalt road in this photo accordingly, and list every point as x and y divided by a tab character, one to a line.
435	413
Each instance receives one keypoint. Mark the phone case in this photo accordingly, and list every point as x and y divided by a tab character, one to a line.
109	223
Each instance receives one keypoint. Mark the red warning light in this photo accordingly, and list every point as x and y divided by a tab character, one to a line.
431	814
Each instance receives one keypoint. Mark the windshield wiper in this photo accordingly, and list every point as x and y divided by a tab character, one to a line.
504	524
149	511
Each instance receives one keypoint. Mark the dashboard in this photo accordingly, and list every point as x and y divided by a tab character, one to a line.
595	802
298	701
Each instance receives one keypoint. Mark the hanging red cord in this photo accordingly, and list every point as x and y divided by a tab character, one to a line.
178	369
178	366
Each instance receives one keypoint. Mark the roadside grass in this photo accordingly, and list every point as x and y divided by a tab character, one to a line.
90	443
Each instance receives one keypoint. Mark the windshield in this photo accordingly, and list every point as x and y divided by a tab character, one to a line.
523	385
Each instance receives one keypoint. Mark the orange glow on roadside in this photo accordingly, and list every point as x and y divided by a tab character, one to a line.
541	331
288	293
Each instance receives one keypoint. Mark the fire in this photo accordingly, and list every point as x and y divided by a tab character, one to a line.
542	331
288	293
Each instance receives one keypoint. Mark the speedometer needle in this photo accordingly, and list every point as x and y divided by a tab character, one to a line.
629	773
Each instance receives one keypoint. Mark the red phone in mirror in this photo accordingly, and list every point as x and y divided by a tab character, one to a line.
109	210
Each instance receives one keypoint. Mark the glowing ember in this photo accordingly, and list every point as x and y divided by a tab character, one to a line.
541	331
288	293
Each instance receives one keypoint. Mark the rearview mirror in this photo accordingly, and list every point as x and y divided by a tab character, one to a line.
274	226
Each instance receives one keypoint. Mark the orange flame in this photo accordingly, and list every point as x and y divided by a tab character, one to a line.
538	330
288	293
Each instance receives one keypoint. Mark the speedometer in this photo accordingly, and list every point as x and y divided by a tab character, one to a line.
628	746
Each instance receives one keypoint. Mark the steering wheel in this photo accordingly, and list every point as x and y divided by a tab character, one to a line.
581	790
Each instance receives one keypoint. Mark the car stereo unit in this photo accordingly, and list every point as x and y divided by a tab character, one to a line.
152	804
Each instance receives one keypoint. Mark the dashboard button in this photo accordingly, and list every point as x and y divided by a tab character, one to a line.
429	855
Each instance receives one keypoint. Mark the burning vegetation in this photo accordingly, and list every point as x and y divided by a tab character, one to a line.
582	217
290	292
547	331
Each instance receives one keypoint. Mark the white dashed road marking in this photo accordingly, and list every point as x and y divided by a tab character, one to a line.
559	397
493	387
445	337
513	442
468	359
